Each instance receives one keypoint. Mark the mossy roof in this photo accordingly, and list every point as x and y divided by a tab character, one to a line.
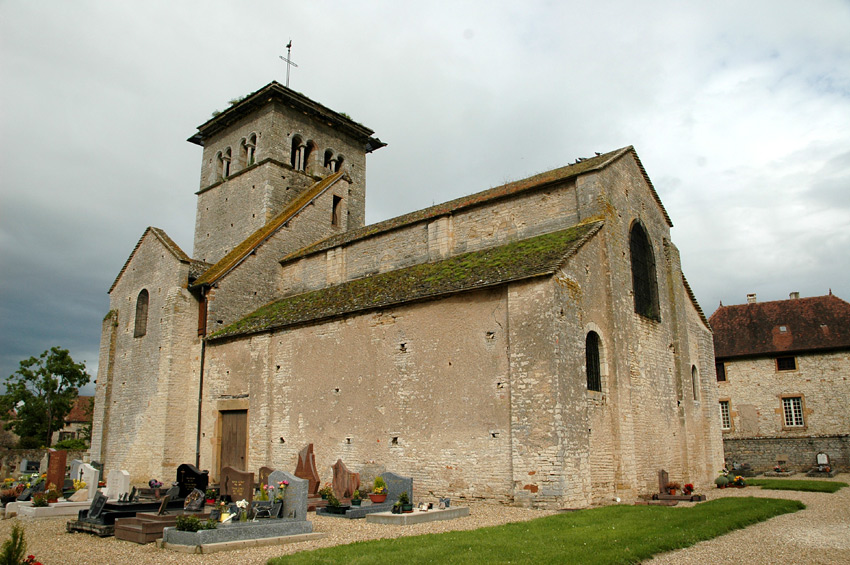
168	243
256	239
518	260
535	182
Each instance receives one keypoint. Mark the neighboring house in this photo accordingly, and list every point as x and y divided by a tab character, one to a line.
77	419
783	380
535	343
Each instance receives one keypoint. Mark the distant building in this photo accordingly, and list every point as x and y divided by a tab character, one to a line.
77	419
782	376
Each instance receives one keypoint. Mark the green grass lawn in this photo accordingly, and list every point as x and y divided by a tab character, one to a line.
790	484
613	534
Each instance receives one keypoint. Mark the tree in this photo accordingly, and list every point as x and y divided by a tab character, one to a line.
42	392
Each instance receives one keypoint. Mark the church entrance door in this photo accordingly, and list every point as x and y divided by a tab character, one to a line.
234	439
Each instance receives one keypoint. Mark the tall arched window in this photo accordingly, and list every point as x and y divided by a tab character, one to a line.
309	155
295	154
695	381
225	169
141	314
249	148
338	163
644	282
329	159
591	355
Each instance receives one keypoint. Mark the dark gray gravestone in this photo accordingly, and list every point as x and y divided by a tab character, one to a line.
295	497
397	484
190	477
238	485
194	502
97	504
26	494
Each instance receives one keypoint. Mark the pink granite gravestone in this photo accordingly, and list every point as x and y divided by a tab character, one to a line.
306	469
345	482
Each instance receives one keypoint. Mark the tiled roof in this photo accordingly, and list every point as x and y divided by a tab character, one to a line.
166	241
532	257
506	190
811	324
81	411
256	239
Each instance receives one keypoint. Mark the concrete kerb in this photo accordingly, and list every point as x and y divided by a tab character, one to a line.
240	544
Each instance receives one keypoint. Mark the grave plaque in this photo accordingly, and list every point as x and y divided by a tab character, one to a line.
295	496
822	459
238	485
264	475
194	502
134	496
306	469
90	475
215	515
26	494
163	506
344	482
276	509
97	504
173	492
56	468
190	477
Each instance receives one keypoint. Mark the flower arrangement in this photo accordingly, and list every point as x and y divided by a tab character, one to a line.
281	490
52	493
153	483
355	495
379	486
265	492
210	494
194	524
739	481
242	505
30	560
39	500
333	501
721	481
326	490
672	487
78	485
688	488
780	469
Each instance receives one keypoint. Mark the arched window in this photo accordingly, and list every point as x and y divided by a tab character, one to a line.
309	155
695	381
249	149
295	155
329	159
225	169
591	355
644	284
141	314
338	163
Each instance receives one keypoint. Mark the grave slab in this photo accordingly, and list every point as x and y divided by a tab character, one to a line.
242	544
418	516
239	531
396	484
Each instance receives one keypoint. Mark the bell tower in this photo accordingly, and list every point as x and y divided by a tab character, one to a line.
264	151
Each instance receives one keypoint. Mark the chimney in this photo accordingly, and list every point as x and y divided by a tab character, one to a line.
751	298
794	295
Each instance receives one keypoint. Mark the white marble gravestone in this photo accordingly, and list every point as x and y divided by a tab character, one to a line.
90	475
117	484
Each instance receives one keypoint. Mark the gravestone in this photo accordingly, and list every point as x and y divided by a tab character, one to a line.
822	459
306	469
56	468
96	508
238	485
117	484
194	502
190	477
90	477
264	475
344	482
663	479
295	496
26	494
397	484
76	466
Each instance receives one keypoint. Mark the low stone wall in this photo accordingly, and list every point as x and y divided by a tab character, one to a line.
800	453
10	459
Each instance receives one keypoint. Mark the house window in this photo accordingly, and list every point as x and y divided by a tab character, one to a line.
725	419
720	368
141	314
335	210
644	282
786	364
792	408
695	381
591	355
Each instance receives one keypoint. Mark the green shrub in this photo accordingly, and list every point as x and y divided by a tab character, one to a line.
194	524
72	444
14	549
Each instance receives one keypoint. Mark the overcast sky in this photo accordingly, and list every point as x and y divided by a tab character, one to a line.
740	112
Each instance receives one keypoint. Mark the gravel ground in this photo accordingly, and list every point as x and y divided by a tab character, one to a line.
818	534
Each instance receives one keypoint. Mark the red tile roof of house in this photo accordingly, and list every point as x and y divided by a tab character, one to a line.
810	324
81	411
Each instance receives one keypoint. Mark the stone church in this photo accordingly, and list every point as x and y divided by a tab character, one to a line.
534	344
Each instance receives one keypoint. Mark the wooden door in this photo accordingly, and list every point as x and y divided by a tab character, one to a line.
234	439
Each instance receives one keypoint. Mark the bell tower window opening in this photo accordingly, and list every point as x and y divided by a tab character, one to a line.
224	171
337	164
141	327
337	201
591	354
297	153
249	149
644	283
309	153
329	160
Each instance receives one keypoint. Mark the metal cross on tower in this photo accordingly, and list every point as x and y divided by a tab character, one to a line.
288	60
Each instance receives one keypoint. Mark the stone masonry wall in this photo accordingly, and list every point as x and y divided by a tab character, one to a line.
799	453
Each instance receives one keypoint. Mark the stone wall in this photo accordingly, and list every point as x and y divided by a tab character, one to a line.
799	453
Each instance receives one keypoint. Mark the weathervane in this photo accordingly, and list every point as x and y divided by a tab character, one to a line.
288	60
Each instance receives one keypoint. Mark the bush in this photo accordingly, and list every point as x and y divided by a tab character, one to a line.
14	549
194	524
72	445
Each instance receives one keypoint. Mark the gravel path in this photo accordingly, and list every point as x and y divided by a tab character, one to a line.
818	534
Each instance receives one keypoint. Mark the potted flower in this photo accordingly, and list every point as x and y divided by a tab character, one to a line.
688	489
404	501
242	505
335	506
210	496
721	481
326	491
379	491
355	498
265	492
7	495
39	500
52	493
281	490
672	487
739	482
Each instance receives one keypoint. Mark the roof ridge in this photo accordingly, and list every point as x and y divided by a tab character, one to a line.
163	238
238	254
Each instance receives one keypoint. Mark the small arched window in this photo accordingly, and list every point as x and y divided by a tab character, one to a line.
225	166
644	283
309	155
338	163
695	381
594	368
329	160
141	314
249	149
296	153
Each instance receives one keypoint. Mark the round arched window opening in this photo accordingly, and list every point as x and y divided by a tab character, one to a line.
592	362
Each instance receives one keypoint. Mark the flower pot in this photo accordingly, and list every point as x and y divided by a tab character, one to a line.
672	492
356	502
210	501
407	507
337	509
52	500
377	498
324	497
